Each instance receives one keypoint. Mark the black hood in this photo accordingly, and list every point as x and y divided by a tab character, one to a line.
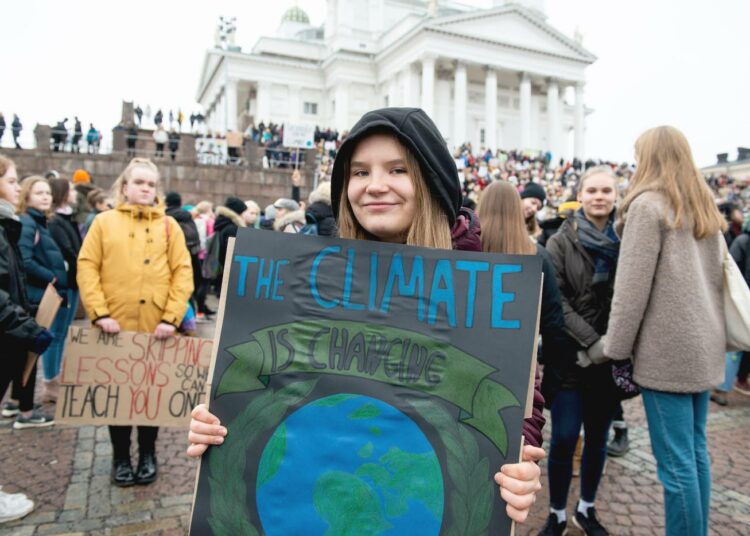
179	214
423	139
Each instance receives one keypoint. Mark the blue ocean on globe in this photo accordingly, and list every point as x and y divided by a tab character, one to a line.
349	465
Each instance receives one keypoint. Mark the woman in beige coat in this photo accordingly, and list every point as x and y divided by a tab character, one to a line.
134	274
668	314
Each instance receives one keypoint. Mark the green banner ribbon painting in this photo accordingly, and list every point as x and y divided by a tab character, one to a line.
367	388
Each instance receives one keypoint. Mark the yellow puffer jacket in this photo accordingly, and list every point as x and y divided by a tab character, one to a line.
135	268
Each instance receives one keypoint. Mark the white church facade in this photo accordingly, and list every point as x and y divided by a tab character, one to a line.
497	77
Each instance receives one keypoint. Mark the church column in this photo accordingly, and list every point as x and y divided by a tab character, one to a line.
459	105
490	108
341	99
411	86
263	106
579	126
230	106
553	117
525	105
428	84
393	92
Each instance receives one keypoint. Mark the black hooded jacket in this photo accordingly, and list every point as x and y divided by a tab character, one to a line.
189	229
421	136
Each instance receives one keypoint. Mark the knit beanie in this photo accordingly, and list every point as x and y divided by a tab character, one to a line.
533	189
236	205
416	131
173	199
81	176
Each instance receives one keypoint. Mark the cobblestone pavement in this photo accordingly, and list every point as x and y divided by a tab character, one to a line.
66	471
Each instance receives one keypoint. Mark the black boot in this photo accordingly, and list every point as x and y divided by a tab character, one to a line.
122	473
619	445
146	472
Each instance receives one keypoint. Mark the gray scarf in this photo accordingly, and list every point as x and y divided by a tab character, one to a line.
7	210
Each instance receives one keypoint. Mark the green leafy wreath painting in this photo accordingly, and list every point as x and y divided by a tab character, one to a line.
341	423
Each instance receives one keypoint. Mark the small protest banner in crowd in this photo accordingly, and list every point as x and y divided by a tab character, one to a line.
366	387
131	378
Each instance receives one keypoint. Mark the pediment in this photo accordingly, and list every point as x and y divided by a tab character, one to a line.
514	26
210	62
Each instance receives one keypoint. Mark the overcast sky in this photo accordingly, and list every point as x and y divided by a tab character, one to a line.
678	62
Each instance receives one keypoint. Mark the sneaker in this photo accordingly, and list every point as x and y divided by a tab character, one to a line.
14	506
553	527
37	419
719	397
589	524
619	445
742	387
10	409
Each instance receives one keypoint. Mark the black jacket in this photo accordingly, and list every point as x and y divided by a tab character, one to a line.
586	310
225	227
43	261
322	214
189	229
739	253
65	232
17	327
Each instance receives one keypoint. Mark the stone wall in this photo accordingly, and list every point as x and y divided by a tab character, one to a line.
194	181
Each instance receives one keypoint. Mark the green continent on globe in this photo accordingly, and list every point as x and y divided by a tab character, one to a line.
368	411
348	505
404	476
273	456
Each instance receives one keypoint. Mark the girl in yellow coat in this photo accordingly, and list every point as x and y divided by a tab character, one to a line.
134	274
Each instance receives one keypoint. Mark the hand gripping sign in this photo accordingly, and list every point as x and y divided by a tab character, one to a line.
367	388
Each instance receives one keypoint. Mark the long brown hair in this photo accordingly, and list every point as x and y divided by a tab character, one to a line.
501	217
430	227
60	189
26	186
665	165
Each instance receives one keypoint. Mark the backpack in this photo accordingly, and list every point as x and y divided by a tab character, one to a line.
310	228
211	265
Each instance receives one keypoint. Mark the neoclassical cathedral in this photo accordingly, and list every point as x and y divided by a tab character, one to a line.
496	77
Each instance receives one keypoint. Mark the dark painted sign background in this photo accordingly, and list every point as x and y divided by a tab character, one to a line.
368	388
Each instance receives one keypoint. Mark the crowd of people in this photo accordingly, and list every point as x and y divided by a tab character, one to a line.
618	246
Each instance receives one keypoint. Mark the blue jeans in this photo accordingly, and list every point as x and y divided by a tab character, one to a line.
52	357
677	427
732	362
570	409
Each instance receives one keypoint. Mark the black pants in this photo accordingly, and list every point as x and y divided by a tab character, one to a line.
744	369
120	437
13	373
159	149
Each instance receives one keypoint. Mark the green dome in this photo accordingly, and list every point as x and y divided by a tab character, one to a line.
295	14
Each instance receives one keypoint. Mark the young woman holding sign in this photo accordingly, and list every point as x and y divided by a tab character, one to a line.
134	274
395	181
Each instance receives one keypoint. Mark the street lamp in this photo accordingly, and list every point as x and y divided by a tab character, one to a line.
225	31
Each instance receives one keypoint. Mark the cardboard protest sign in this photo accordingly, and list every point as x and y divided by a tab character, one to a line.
45	316
367	388
298	135
131	378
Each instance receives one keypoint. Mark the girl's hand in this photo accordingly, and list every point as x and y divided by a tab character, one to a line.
108	325
519	483
164	330
205	430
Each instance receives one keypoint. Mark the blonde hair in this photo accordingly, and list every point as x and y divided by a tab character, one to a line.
204	207
665	165
501	216
596	170
26	186
126	175
252	205
430	227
